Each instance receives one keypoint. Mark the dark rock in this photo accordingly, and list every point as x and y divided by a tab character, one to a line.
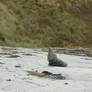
1	63
28	54
53	60
8	80
53	76
17	66
13	56
5	54
47	73
66	83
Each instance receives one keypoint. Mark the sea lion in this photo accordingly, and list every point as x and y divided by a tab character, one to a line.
53	60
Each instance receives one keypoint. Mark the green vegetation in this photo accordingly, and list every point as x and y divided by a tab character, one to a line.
44	23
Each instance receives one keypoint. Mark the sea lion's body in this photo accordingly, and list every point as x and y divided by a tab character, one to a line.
53	60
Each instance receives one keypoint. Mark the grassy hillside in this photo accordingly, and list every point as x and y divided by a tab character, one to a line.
43	23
